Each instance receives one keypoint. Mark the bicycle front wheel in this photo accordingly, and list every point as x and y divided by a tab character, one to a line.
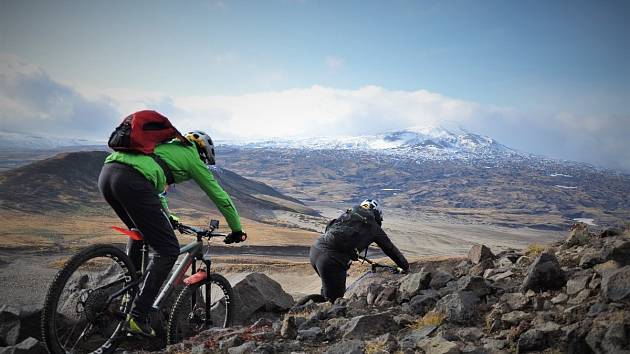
190	314
87	302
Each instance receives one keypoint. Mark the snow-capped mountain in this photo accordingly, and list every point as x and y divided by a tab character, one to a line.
427	143
20	141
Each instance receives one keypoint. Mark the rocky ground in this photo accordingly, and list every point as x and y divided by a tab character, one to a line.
569	297
572	297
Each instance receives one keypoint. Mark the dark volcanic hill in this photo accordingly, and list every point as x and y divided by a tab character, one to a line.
68	183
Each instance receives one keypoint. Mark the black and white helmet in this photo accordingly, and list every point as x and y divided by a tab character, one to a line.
204	144
372	204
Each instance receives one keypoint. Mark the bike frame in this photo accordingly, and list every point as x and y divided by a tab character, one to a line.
193	252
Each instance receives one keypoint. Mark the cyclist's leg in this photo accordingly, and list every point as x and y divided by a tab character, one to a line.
141	203
109	174
333	274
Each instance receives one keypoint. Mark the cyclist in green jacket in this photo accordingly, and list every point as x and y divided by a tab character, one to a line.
133	185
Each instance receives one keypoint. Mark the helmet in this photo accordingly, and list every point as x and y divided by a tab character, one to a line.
204	144
372	204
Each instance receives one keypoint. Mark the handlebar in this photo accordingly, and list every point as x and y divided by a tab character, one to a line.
375	265
191	230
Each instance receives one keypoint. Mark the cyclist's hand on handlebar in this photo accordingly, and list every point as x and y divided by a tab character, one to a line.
174	221
235	237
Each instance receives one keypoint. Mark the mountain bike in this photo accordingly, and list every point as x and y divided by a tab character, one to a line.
90	297
374	266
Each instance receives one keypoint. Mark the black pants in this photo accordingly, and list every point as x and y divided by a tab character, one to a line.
135	201
332	270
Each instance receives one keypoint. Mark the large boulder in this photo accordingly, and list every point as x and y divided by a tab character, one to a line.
458	307
369	326
368	280
616	285
412	284
259	293
544	274
477	285
480	253
423	303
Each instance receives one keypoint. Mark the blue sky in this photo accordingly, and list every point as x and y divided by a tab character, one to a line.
549	66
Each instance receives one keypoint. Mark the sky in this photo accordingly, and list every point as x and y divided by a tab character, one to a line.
545	77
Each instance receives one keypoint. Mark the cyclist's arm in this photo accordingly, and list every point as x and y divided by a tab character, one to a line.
383	241
204	178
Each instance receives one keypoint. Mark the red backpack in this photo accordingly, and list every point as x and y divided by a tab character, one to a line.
142	131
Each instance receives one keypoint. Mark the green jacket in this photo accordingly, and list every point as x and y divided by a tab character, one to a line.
185	164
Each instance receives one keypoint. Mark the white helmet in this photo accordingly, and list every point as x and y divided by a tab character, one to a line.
204	144
372	204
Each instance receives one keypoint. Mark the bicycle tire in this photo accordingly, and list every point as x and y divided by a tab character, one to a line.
48	318
180	308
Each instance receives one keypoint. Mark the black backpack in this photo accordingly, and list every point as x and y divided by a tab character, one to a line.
343	232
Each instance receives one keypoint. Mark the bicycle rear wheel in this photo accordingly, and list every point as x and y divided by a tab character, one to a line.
86	305
189	316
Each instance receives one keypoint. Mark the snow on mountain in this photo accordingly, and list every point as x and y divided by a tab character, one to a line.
431	143
19	141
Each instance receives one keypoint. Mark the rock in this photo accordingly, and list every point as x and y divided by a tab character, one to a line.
479	269
501	276
386	296
458	307
368	326
516	301
524	261
310	334
372	292
289	328
577	284
29	345
494	345
480	253
604	268
259	293
244	348
413	339
462	268
30	325
421	304
595	283
360	286
347	347
597	309
618	251
474	284
531	340
438	345
579	235
515	317
544	274
591	259
580	297
609	337
224	345
412	284
403	320
9	326
559	299
505	263
387	343
616	285
470	334
439	279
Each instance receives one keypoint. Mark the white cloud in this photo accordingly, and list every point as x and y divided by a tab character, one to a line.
32	101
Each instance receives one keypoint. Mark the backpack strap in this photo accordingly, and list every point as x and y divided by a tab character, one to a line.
170	179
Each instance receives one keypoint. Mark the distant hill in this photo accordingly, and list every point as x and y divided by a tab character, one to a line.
437	171
67	183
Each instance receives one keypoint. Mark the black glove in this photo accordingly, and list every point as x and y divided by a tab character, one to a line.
235	237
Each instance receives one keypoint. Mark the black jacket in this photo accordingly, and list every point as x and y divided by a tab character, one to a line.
353	232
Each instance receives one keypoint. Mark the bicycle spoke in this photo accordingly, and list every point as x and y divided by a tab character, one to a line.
86	330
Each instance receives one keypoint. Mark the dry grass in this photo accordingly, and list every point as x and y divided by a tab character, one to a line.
535	249
431	318
375	347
